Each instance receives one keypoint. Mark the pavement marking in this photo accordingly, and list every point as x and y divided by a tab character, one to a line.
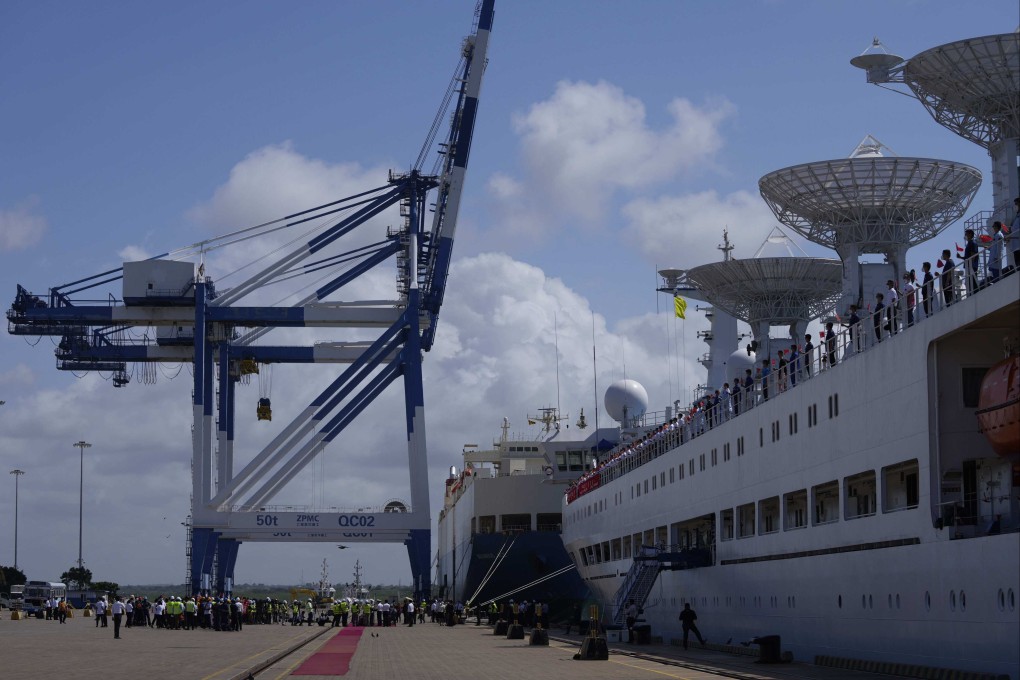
651	670
258	653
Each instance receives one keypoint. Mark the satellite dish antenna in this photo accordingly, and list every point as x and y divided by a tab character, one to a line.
877	61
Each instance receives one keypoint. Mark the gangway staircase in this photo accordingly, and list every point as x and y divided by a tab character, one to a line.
643	573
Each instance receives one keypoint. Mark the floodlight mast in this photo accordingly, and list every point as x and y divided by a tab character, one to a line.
971	87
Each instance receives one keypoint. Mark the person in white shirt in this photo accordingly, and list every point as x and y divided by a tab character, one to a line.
118	609
908	295
101	612
892	305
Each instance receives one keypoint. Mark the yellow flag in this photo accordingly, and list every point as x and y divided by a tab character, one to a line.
680	305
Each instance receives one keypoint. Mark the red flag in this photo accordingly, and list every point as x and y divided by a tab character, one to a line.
958	248
1005	229
985	238
939	263
837	316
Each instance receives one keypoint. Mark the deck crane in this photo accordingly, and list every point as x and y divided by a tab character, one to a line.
169	313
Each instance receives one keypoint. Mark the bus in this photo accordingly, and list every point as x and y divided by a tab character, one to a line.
37	592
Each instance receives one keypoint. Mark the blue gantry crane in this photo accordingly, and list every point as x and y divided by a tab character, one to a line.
171	312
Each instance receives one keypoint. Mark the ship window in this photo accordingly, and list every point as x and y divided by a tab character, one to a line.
701	462
646	486
726	524
768	513
795	510
971	387
549	521
835	403
726	452
672	475
761	437
598	553
487	524
605	551
830	406
583	556
626	547
791	423
661	536
690	466
662	478
899	486
825	499
561	461
576	462
795	425
715	457
745	520
616	549
655	482
860	495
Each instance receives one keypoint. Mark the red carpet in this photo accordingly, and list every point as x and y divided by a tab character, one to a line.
334	658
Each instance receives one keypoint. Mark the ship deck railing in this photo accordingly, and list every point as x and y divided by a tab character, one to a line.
948	287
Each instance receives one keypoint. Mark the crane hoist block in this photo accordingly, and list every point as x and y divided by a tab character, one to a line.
249	367
264	410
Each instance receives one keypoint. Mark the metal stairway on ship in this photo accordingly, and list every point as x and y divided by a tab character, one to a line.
644	572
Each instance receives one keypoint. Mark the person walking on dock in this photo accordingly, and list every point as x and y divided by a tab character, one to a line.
687	619
631	614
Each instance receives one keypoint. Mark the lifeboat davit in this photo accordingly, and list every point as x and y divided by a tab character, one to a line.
998	411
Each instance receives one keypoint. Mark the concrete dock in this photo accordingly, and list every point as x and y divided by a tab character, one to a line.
79	651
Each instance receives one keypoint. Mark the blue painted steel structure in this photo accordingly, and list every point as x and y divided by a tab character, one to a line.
229	508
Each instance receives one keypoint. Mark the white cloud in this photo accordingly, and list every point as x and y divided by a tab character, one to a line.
17	376
588	140
132	253
683	231
20	227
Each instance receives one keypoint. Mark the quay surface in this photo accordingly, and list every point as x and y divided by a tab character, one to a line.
79	651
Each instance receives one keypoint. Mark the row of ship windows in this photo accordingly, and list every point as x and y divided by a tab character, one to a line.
956	600
860	499
705	459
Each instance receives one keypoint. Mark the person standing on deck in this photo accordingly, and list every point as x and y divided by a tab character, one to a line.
995	253
927	289
947	276
970	261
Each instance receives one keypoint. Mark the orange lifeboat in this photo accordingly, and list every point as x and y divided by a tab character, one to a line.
998	411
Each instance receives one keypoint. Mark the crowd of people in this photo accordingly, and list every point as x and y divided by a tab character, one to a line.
900	307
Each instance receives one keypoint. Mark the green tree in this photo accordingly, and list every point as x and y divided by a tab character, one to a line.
106	587
9	576
77	578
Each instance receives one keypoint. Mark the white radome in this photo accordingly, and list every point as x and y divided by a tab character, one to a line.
626	397
738	363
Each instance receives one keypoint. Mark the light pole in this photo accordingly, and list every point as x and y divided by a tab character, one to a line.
82	445
17	474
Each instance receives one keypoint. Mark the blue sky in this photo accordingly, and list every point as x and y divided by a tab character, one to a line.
613	138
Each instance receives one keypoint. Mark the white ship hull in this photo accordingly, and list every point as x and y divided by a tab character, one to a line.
885	572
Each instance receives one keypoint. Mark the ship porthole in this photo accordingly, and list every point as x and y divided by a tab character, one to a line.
1012	600
963	601
1002	600
839	601
927	601
952	600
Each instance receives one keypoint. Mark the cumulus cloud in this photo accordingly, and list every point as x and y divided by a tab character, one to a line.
688	227
590	139
20	227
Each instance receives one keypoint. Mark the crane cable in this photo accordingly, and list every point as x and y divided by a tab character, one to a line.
558	572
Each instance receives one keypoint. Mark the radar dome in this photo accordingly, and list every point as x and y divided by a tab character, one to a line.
738	363
626	400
